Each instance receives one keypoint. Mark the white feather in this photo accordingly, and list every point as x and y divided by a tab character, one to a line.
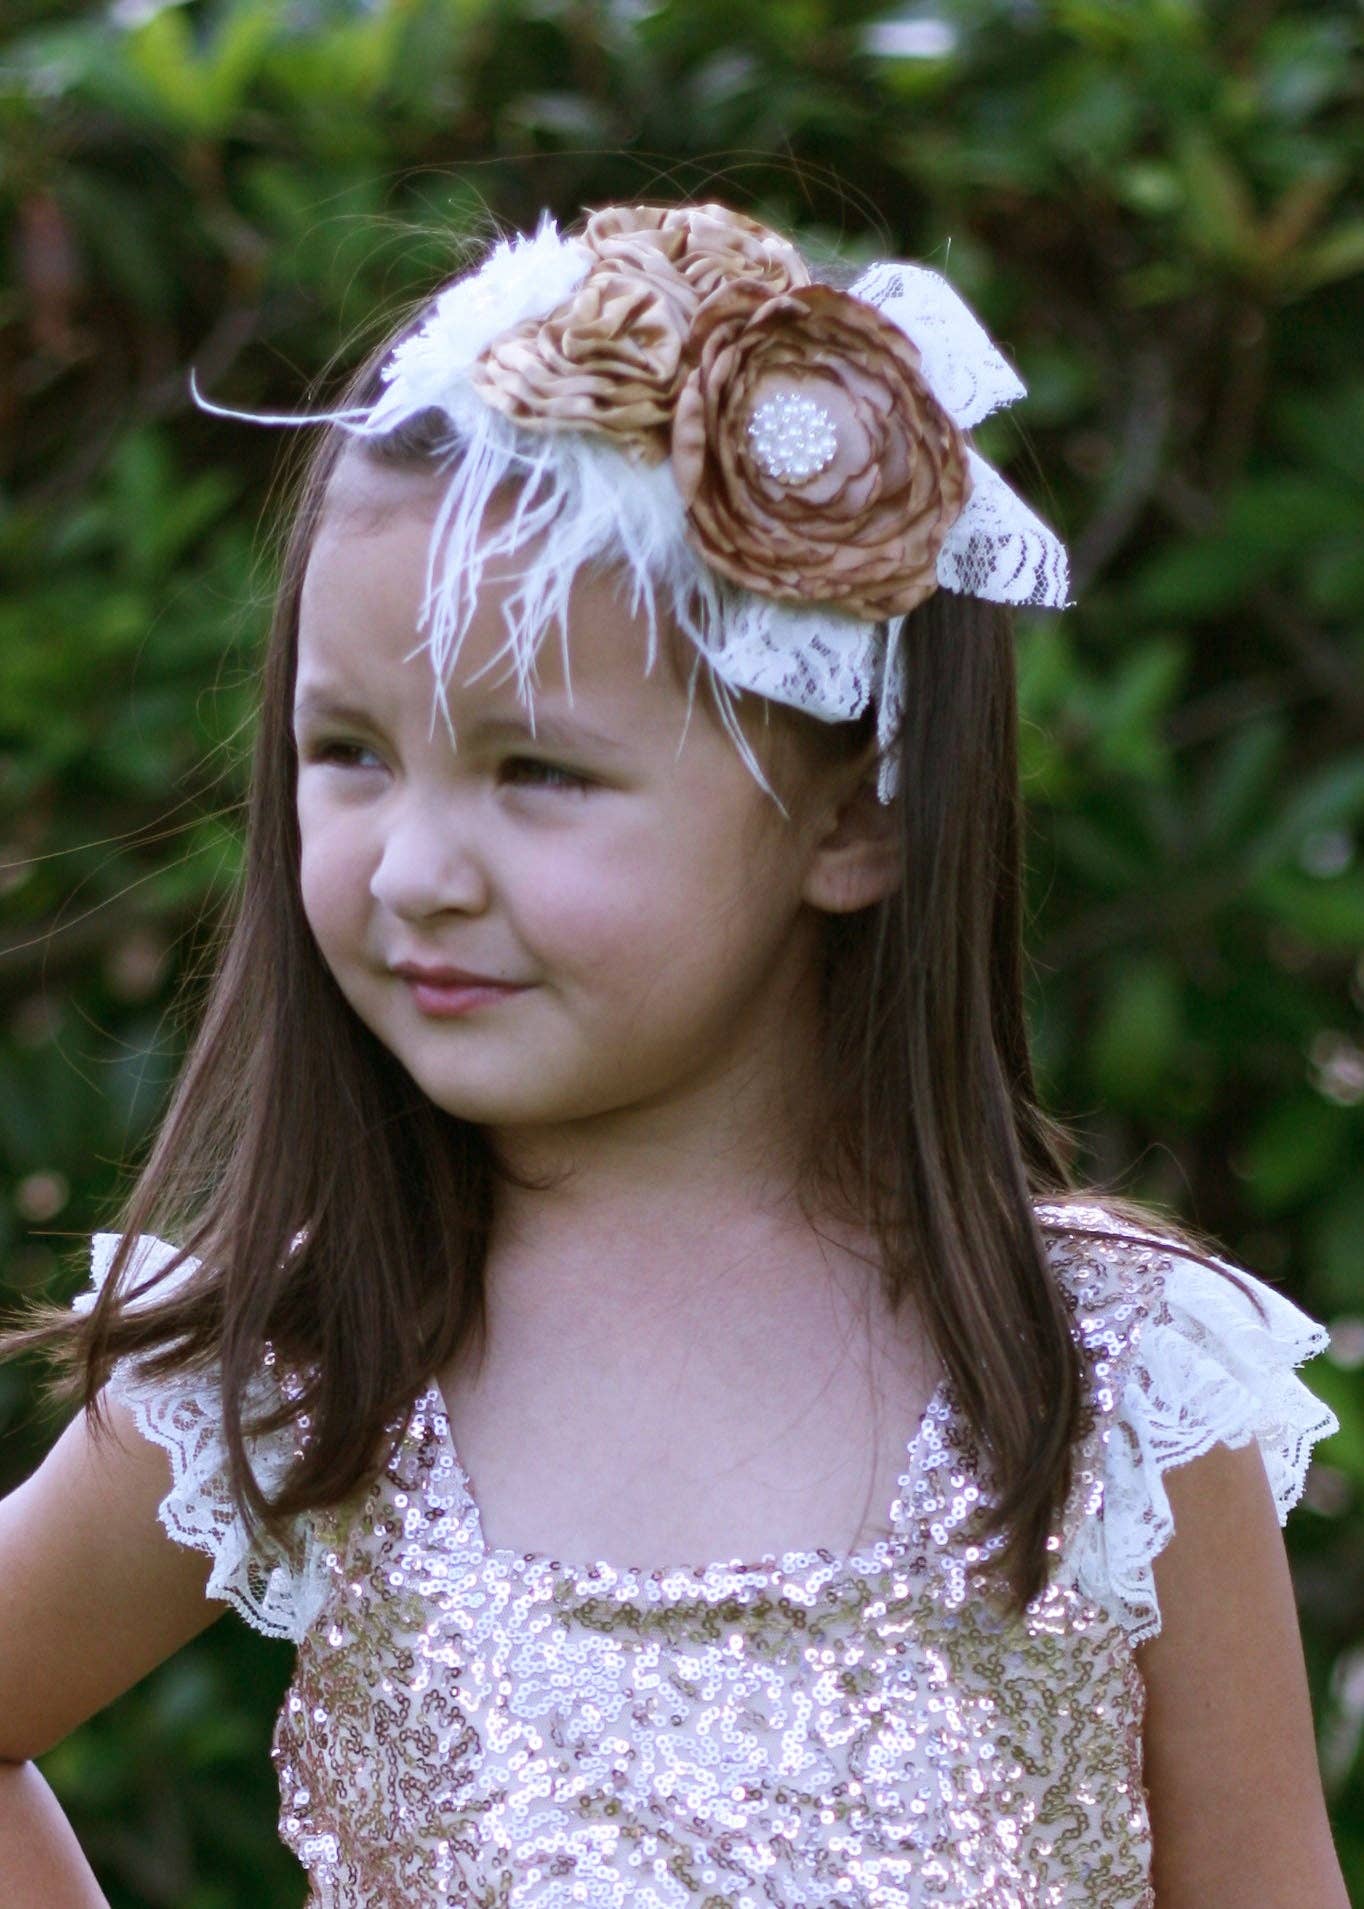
574	500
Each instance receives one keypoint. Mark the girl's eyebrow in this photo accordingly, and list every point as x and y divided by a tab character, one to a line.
316	702
553	731
558	733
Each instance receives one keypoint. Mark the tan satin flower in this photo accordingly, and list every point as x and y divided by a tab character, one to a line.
608	359
854	510
705	245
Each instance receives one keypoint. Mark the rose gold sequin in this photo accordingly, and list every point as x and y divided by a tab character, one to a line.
470	1727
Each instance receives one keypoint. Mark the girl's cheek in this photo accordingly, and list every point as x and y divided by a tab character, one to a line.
590	897
331	878
320	918
331	835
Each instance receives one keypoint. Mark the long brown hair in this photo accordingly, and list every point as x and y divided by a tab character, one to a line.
343	1219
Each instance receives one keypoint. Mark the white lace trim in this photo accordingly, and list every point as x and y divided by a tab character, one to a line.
275	1592
1000	550
1204	1369
965	369
582	503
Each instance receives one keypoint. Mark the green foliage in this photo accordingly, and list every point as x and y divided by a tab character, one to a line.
1156	207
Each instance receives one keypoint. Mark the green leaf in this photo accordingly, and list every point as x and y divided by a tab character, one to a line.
1045	664
1132	1049
1331	799
1271	525
1327	913
1134	699
1297	1147
1238	782
1325	428
1219	208
1338	254
1102	851
1335	577
198	86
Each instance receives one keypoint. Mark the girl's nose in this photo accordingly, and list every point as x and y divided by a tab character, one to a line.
427	864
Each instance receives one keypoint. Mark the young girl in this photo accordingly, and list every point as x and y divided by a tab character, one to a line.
629	1322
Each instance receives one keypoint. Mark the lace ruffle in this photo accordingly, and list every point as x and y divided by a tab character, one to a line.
1183	1358
276	1588
1191	1364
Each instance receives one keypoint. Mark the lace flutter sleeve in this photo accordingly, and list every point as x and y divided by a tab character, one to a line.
1184	1359
274	1585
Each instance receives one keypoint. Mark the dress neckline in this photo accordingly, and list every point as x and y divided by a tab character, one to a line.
719	1574
931	1445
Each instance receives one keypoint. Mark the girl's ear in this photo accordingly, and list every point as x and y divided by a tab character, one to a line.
855	846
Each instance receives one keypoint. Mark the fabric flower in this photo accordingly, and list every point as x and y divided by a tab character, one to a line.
705	245
520	279
608	359
812	457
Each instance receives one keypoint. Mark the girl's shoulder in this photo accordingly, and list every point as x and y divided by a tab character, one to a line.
1184	1351
1180	1355
274	1582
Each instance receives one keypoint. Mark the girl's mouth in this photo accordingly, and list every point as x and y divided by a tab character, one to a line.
444	999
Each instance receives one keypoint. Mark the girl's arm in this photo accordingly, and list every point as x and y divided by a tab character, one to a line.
93	1595
40	1859
1237	1810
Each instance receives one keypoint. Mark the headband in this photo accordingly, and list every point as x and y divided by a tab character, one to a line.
779	465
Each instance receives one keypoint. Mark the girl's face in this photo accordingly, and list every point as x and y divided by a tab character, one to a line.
643	894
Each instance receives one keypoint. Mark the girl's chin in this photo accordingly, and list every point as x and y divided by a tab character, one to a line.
509	1107
534	1113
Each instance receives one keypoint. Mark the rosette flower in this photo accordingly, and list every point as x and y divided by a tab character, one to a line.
607	359
814	461
704	245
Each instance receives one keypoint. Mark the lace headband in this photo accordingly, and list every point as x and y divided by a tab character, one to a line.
778	465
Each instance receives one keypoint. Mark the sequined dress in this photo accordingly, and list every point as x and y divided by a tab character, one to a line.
470	1726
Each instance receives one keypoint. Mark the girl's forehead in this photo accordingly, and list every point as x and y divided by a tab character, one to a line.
360	615
365	489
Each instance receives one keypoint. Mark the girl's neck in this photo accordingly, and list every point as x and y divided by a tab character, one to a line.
650	1206
598	1285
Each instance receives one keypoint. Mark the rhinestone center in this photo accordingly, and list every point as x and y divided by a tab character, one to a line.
792	438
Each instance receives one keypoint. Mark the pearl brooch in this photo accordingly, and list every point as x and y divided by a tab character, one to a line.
793	438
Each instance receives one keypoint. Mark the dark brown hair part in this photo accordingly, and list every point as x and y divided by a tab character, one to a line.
342	1219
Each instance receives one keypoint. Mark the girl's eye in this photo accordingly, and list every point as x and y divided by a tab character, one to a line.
533	770
527	771
340	752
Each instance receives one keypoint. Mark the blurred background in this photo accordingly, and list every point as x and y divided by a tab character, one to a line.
1155	205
